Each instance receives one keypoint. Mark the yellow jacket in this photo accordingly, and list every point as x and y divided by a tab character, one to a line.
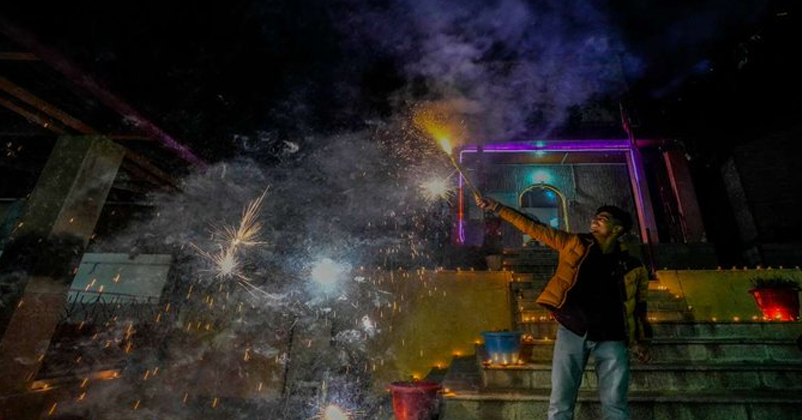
573	248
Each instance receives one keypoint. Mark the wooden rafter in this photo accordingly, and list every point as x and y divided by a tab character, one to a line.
80	78
43	106
33	117
53	114
17	56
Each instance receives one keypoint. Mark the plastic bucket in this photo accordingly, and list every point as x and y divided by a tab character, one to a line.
503	347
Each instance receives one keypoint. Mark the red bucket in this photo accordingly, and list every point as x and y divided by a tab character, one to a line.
415	400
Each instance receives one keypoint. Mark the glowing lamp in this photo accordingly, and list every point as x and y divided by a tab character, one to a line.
542	177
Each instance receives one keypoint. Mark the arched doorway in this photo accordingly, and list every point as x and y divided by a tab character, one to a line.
545	204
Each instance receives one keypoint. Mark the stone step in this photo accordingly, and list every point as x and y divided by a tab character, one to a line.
658	376
654	295
522	277
700	330
538	274
529	405
530	316
697	351
673	305
529	265
530	251
533	288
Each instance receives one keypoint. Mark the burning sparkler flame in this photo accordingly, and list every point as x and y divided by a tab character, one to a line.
440	122
435	189
445	144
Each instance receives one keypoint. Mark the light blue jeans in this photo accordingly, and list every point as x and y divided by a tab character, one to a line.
571	354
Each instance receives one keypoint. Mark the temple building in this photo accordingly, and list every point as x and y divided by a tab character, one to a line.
178	324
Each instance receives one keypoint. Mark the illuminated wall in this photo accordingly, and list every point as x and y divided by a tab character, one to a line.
440	314
720	295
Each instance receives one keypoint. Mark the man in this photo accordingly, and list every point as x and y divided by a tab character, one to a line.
598	296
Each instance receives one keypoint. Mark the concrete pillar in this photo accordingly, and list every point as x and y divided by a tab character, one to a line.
681	183
38	264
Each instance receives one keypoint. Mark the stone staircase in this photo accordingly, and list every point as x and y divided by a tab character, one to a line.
700	370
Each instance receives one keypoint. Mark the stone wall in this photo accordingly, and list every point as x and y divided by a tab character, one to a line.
585	187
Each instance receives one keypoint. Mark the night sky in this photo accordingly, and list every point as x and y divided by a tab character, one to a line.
219	77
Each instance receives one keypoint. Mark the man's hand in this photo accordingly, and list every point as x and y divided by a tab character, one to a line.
487	204
642	352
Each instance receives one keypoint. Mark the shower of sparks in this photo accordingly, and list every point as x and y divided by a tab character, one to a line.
226	263
333	412
439	122
247	233
435	189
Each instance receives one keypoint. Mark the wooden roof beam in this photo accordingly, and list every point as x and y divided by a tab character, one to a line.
33	117
68	120
17	56
29	98
80	78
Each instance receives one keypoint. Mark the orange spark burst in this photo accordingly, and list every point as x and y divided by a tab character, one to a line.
247	233
439	121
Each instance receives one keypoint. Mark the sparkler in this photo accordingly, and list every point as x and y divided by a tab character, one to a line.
438	122
446	146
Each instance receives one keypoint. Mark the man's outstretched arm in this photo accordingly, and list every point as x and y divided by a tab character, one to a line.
554	238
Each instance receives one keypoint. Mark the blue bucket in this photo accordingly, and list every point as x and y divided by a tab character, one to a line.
503	347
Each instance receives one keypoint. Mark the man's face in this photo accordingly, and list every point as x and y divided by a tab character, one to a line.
604	225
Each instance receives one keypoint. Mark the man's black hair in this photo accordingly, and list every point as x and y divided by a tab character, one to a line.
622	216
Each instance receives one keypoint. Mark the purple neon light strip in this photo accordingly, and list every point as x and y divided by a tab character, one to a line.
553	146
461	222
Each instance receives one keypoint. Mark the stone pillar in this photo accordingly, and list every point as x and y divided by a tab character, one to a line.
681	183
39	263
